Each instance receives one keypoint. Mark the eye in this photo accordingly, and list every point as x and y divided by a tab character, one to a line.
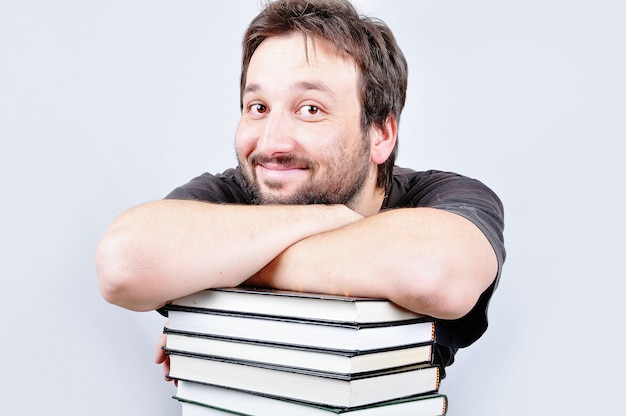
309	110
258	108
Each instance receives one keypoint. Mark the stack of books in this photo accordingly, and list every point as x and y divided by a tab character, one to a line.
249	351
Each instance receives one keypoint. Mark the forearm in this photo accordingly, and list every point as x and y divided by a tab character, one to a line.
429	261
166	249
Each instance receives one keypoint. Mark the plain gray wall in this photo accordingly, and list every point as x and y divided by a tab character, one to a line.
107	104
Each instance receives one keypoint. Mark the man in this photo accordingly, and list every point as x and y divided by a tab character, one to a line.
316	203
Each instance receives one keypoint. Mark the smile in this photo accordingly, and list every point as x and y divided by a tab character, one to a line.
279	171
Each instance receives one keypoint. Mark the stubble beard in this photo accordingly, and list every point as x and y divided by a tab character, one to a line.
343	183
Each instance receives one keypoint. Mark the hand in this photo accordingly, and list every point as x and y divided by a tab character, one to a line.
163	359
340	216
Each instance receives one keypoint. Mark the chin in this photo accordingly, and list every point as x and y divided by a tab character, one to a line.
277	198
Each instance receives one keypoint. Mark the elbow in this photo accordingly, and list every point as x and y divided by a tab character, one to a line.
118	275
439	292
450	303
447	283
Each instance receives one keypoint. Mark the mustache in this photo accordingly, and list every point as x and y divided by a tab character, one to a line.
287	161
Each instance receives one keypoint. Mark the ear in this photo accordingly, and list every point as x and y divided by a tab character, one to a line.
383	139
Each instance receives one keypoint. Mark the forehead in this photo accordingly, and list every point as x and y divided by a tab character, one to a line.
294	57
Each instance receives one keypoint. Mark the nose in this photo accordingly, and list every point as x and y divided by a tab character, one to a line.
276	135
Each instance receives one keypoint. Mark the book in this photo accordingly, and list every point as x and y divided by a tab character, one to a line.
206	400
286	331
331	361
299	305
306	385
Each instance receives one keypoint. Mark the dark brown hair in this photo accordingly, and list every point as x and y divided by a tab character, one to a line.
383	68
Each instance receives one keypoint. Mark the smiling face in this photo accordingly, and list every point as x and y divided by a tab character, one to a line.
299	140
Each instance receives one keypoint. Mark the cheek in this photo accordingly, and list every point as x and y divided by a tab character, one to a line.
244	140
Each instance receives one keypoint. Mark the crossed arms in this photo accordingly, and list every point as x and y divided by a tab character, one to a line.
428	260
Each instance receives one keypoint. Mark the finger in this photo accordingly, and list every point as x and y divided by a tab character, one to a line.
166	369
160	355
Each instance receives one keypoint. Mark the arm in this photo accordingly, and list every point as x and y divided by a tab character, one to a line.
428	260
170	248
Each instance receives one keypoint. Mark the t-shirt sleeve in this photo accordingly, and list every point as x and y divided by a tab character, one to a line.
226	187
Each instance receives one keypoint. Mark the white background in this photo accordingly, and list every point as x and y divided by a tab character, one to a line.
107	104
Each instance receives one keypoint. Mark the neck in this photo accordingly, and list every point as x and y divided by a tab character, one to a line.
369	202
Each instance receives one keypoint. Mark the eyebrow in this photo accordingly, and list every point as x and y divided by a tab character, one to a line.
316	86
300	86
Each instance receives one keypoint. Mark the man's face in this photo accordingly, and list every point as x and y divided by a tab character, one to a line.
299	140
